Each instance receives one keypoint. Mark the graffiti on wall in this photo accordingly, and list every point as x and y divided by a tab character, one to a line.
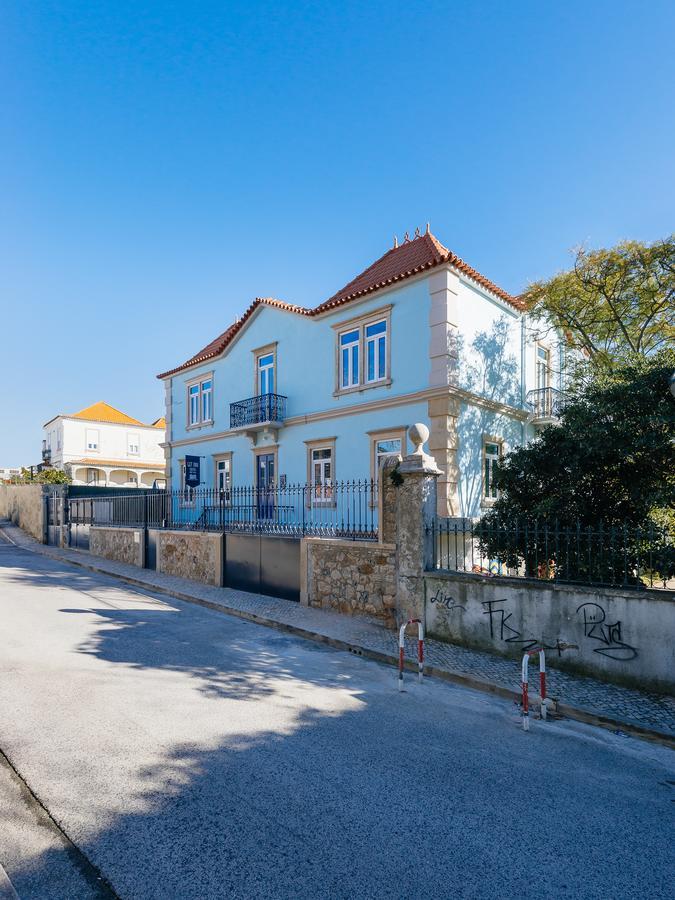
606	634
440	598
501	630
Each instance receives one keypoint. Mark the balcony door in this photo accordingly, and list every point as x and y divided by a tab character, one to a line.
266	374
265	476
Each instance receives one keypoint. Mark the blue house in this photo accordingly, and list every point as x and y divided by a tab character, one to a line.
288	394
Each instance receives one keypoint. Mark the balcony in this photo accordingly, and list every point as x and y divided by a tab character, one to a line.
263	413
546	405
46	454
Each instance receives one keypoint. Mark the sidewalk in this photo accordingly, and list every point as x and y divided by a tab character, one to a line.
582	698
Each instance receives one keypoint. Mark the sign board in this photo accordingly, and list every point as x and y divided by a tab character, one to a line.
192	473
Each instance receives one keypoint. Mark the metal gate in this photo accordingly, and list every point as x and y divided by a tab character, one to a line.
55	518
262	564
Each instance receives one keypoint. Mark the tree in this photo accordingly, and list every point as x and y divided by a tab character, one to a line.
54	476
608	465
613	303
46	476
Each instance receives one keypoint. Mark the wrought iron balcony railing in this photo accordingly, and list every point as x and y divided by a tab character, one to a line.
258	410
546	403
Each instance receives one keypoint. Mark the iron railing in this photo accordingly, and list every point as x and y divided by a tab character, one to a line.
545	403
46	453
256	410
603	555
345	509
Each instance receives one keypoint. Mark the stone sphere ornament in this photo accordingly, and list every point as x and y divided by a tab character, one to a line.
419	435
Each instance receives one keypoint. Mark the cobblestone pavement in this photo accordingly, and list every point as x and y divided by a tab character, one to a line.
652	711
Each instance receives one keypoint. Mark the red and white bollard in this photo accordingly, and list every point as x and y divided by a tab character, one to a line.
420	650
542	685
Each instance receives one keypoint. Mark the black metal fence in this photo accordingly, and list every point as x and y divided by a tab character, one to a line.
609	556
345	509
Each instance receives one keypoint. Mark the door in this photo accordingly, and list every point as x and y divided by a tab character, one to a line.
265	485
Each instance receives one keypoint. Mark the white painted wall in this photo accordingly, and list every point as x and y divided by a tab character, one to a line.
68	438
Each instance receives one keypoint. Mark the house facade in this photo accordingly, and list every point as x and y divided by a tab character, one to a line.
289	394
104	447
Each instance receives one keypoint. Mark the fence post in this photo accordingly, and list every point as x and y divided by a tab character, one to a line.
415	512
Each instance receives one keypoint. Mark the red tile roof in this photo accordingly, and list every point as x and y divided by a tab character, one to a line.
409	258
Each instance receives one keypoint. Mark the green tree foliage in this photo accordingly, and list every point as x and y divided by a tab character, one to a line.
608	464
614	303
46	476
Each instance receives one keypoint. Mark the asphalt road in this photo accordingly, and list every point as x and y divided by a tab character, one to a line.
188	754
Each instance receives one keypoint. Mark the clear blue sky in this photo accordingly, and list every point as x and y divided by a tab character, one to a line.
161	164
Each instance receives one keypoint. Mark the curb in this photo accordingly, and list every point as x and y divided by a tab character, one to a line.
576	713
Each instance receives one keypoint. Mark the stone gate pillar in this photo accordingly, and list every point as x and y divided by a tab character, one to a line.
415	509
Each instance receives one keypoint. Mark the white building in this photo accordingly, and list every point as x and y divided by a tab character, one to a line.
105	447
9	473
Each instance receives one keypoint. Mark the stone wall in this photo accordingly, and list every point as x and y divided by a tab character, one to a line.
196	555
23	504
351	577
125	545
621	636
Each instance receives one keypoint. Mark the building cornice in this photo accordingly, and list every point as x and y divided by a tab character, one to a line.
372	405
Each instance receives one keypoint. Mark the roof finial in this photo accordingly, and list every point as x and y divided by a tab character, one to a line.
406	238
428	231
417	231
395	242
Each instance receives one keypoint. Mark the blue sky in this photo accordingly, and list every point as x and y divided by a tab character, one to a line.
161	164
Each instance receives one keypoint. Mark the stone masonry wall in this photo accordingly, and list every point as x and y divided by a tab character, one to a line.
23	505
352	577
196	555
620	636
123	545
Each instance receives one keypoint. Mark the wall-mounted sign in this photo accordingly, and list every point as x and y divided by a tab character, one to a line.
192	474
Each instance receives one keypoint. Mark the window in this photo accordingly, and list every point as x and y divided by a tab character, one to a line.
224	478
322	475
200	402
363	354
266	374
133	444
350	350
187	494
376	351
207	393
543	373
384	443
92	439
492	451
386	448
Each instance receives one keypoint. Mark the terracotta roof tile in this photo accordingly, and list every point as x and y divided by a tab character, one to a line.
409	258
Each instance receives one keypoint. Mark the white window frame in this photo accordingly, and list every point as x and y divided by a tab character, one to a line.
540	365
374	342
198	392
326	495
397	433
266	371
350	352
224	493
133	440
322	488
487	494
362	343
